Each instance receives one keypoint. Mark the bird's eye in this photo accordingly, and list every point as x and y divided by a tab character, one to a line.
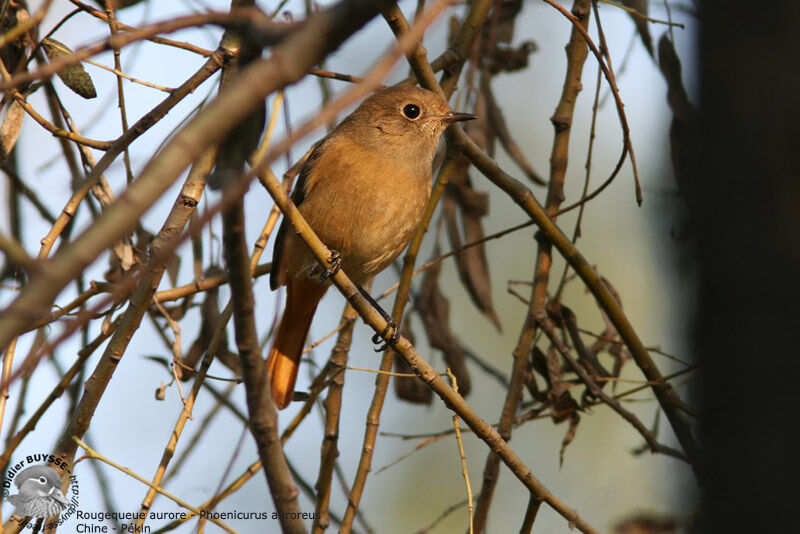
411	111
42	480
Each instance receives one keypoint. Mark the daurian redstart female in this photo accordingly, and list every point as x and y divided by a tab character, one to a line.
363	190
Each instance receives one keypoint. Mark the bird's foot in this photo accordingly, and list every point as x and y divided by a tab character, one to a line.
381	340
385	342
336	264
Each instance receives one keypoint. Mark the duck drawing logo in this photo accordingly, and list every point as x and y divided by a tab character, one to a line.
39	492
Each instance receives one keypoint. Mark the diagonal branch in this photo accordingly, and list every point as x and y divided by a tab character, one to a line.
319	35
405	349
562	121
667	396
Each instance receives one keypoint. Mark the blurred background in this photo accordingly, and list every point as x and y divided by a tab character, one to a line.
638	249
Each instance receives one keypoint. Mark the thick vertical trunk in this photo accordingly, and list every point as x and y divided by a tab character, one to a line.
748	218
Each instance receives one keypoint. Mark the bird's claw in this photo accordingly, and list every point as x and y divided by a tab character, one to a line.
382	340
336	264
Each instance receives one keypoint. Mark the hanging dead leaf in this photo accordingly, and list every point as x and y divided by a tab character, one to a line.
642	28
14	53
498	125
561	403
124	253
410	389
569	436
535	364
650	525
74	77
502	19
127	255
684	132
609	335
173	269
586	357
509	59
557	396
473	267
117	4
434	311
9	130
11	270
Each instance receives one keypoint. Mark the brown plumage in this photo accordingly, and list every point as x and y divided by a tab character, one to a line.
363	190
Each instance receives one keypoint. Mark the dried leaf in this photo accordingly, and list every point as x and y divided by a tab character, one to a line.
649	525
587	358
409	389
9	130
102	192
610	333
124	252
74	77
11	270
645	447
503	16
173	269
535	364
473	267
498	125
14	53
240	143
569	436
434	310
105	326
126	255
510	59
117	4
670	65
684	132
561	403
538	363
641	24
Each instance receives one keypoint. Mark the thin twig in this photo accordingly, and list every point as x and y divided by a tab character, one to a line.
8	361
94	455
333	407
643	16
464	472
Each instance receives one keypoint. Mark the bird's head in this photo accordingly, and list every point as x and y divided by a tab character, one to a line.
40	481
406	120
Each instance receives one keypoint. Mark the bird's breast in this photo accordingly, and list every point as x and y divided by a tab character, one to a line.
367	208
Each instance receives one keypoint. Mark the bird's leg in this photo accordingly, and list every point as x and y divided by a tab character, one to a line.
391	325
392	339
336	264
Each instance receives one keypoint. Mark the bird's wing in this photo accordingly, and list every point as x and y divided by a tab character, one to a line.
304	184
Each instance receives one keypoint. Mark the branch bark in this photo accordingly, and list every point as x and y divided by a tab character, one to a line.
405	349
318	36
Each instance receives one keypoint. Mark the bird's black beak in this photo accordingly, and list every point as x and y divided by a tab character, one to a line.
458	117
56	494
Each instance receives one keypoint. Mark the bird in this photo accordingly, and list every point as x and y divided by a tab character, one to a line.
362	189
39	492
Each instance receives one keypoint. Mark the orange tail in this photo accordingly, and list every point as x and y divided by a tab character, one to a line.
302	297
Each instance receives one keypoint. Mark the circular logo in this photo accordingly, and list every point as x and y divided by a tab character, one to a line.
33	487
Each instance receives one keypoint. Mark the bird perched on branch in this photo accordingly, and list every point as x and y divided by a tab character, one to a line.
362	190
39	492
